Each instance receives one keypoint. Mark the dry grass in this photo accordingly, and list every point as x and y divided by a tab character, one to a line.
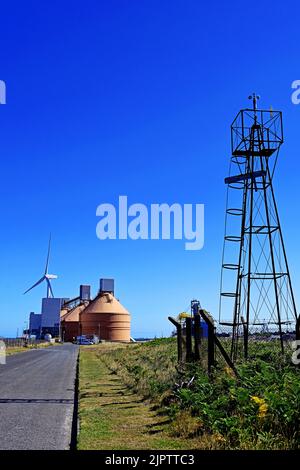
15	350
21	349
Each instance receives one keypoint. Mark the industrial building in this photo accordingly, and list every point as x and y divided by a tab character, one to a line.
104	316
35	320
47	322
70	311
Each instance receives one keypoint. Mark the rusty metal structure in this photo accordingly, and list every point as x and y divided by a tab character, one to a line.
256	288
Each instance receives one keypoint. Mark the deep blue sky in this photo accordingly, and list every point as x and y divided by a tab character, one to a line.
133	97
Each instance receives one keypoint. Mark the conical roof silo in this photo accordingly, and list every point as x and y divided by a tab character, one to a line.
106	317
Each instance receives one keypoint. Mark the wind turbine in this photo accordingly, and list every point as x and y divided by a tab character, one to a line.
46	277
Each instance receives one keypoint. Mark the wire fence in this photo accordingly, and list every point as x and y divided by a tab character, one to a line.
260	343
213	345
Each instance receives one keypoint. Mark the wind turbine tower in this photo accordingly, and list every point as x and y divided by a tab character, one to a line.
49	319
46	277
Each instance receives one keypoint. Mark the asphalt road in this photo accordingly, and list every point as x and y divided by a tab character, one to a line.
37	399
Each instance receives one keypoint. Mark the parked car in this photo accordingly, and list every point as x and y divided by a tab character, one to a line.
83	340
95	339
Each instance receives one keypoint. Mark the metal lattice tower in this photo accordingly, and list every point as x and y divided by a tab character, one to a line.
256	285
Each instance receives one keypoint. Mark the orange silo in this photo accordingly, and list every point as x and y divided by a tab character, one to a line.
70	322
106	318
63	312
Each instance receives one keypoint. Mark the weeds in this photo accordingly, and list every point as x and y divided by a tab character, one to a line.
261	410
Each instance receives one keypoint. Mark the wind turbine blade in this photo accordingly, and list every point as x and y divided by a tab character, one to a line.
36	284
50	287
48	255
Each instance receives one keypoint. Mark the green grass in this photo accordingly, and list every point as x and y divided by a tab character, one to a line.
261	410
114	416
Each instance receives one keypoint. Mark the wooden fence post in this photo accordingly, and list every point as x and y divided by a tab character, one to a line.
197	332
179	337
210	340
298	328
188	329
211	346
179	343
298	334
246	332
213	339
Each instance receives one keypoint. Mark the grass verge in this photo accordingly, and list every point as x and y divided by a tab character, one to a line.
114	416
21	349
129	400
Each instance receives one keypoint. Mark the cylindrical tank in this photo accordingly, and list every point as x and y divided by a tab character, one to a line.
107	318
70	322
63	312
